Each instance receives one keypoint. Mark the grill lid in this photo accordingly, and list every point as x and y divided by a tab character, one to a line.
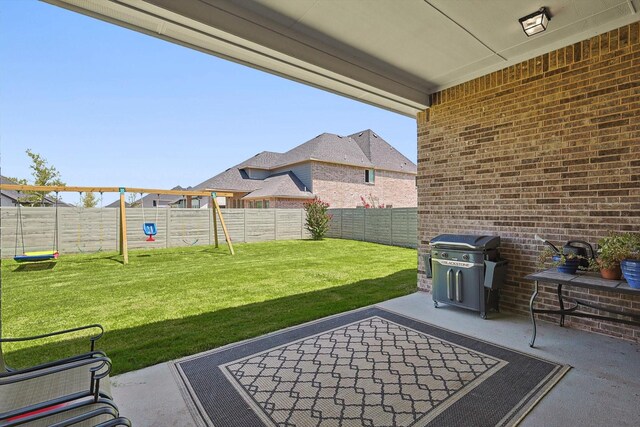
466	241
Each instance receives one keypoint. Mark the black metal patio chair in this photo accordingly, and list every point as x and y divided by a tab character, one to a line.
32	389
100	413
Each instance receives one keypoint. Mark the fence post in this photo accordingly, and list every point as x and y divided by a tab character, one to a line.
275	224
364	225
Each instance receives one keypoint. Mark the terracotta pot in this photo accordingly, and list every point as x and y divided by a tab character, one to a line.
611	273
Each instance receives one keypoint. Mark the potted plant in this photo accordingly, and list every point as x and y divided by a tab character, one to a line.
565	263
611	250
631	263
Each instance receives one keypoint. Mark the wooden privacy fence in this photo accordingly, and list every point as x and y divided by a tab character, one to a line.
396	226
94	229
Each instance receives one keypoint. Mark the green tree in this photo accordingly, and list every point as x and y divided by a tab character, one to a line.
89	200
43	174
132	200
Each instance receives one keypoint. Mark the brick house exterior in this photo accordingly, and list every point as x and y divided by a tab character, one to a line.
549	146
342	186
340	170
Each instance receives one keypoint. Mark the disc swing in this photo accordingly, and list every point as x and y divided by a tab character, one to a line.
35	256
149	228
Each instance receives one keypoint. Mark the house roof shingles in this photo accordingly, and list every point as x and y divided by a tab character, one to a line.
233	179
286	185
326	147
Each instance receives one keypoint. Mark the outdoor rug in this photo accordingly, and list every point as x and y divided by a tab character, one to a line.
369	368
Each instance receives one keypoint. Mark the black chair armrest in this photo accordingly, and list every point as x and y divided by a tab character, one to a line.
93	338
105	361
96	373
121	421
87	416
53	363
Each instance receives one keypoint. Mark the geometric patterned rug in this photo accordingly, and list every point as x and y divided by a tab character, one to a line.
366	368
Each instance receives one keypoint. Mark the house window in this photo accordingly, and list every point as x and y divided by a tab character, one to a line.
258	204
155	203
369	176
266	204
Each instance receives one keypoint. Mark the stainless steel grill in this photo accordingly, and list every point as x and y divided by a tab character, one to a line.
466	271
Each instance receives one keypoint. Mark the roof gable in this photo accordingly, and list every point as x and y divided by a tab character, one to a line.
382	154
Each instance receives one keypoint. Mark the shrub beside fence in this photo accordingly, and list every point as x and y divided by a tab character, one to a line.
93	229
396	226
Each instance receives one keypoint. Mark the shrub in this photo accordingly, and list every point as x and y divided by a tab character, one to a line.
371	202
317	218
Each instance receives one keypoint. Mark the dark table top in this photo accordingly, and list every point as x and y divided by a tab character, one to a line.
583	280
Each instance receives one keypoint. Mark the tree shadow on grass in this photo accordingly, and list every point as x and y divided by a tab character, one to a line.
145	345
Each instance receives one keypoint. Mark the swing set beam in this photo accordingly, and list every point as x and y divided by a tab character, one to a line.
124	250
74	189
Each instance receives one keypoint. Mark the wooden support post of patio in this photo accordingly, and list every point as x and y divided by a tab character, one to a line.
224	226
124	249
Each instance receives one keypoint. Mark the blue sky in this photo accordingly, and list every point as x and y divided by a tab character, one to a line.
111	107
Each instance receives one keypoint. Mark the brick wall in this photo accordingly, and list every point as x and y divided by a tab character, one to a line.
341	186
288	203
548	146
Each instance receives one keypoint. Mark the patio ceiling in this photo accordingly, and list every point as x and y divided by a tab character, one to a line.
388	53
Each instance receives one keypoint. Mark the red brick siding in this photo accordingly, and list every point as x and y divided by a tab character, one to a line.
288	203
548	146
342	186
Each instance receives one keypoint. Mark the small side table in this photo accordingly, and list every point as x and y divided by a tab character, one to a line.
580	280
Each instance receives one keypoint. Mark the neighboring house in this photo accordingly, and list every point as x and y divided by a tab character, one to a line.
162	201
340	170
11	197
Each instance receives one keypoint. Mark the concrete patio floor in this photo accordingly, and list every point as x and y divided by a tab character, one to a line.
602	389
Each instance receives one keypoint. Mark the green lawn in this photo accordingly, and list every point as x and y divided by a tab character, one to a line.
170	303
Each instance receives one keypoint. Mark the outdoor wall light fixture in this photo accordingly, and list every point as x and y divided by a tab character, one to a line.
535	22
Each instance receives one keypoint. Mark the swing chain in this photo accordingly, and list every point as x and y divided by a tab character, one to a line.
55	232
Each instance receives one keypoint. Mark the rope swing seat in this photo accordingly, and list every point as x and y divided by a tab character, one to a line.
35	256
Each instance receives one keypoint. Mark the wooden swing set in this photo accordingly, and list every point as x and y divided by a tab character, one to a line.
147	227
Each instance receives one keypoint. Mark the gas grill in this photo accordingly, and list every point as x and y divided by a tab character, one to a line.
466	271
